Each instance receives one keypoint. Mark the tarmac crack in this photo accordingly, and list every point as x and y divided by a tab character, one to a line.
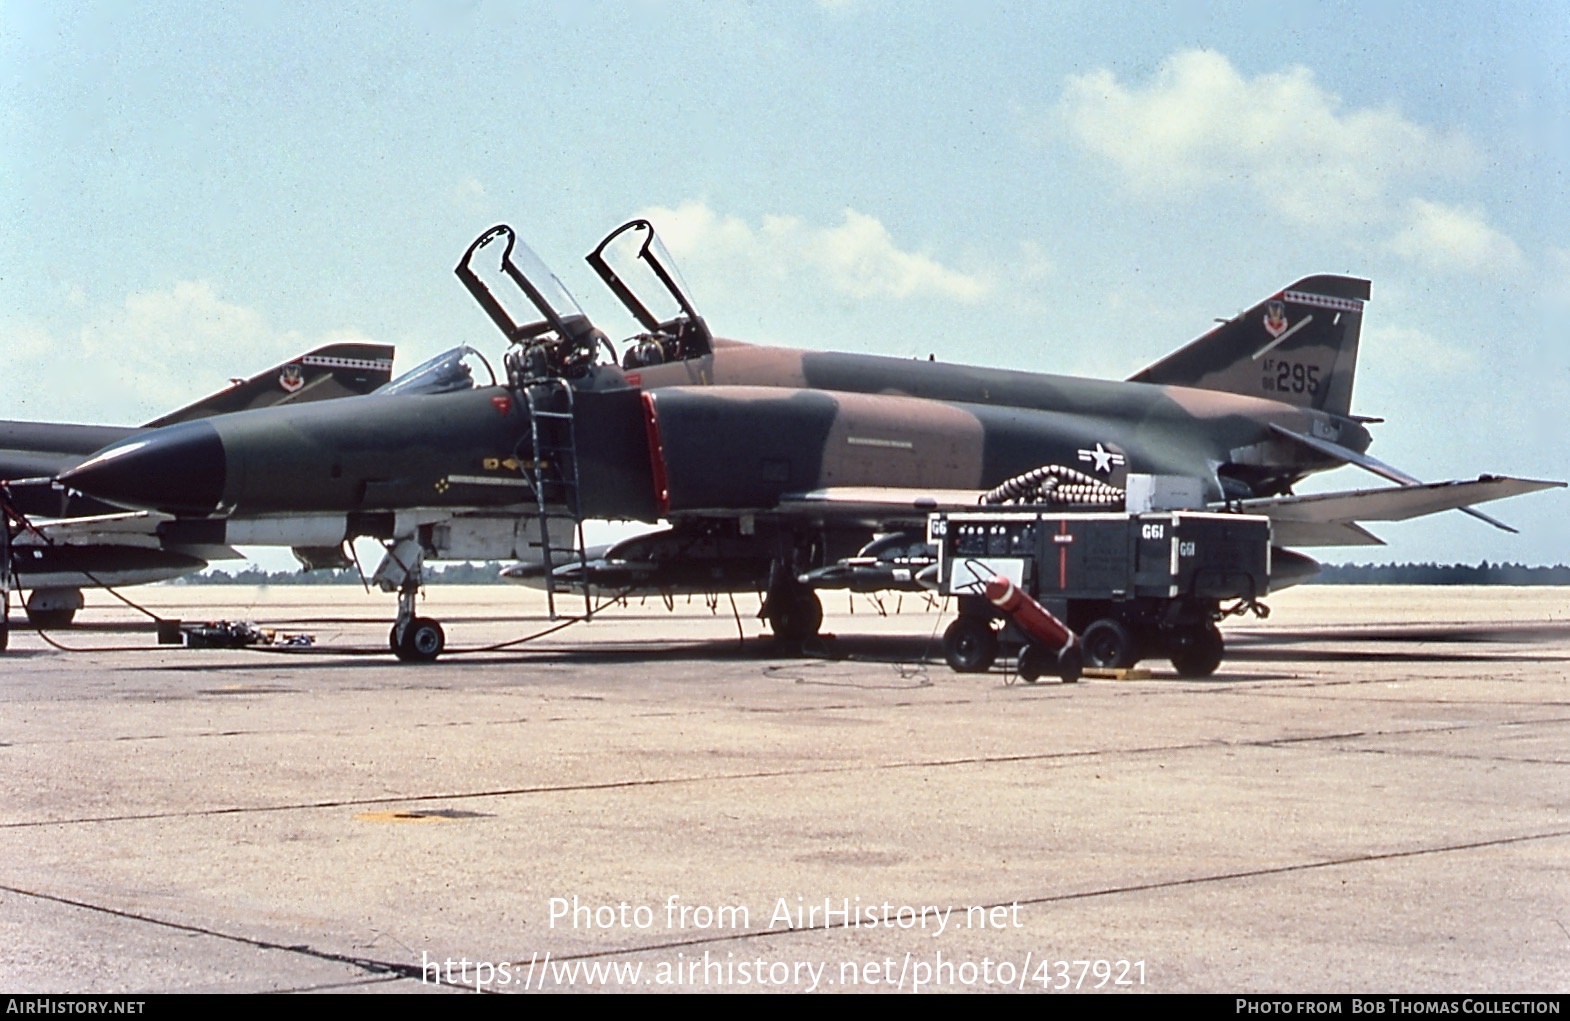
1279	691
1422	754
379	968
1110	891
608	785
390	970
611	785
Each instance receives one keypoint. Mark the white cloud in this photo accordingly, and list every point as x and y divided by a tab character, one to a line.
857	257
156	351
1200	123
1446	238
1408	350
1557	283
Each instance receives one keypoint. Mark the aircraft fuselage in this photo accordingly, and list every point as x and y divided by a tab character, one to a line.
734	429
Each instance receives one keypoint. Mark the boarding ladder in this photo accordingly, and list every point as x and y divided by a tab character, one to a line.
555	463
6	566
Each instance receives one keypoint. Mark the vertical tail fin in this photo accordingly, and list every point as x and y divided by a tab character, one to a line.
1298	346
333	370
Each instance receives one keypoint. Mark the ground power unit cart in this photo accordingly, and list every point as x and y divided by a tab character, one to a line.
1132	586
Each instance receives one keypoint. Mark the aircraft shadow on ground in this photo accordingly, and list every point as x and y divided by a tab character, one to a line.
1421	643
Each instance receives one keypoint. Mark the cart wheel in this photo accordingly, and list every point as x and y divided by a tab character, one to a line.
1108	645
1071	664
1197	652
1033	662
970	645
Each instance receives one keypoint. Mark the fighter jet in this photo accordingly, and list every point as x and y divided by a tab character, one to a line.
78	542
771	468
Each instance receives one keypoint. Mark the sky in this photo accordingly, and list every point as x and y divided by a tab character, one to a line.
193	192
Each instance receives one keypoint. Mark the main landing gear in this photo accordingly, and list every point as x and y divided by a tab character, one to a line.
793	611
413	639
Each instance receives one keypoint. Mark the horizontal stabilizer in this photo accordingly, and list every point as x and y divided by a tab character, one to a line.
1350	456
1331	515
1291	534
1378	467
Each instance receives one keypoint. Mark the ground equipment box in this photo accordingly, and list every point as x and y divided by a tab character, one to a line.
1132	585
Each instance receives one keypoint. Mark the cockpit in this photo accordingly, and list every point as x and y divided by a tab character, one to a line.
635	265
552	337
462	368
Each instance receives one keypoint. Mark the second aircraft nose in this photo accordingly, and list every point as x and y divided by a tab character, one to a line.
178	469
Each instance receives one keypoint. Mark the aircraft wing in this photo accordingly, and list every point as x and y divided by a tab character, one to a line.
878	506
1319	519
870	506
1330	519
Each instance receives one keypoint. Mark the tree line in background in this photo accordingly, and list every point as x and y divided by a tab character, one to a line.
443	574
488	573
1483	573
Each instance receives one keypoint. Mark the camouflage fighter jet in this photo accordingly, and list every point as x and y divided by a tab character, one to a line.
771	467
80	542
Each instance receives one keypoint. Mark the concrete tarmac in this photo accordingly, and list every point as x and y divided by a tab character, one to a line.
1372	795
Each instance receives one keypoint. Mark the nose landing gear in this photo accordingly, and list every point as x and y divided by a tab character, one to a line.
413	639
420	640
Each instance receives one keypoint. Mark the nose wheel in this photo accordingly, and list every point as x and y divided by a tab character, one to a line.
421	640
412	639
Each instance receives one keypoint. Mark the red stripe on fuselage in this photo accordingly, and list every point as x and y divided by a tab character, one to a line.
662	492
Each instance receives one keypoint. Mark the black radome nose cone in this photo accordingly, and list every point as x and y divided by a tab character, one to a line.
179	469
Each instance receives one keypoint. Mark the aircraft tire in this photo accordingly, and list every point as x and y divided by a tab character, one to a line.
423	641
794	614
50	620
1198	652
1108	645
970	645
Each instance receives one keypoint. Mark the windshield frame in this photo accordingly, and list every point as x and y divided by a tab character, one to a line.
448	372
